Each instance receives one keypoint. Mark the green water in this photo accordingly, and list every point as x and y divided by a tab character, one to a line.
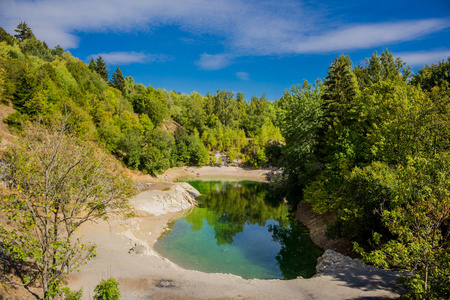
236	229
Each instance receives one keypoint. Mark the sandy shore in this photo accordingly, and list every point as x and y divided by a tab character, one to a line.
149	276
205	173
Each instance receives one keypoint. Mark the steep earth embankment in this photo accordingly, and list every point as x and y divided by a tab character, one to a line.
317	225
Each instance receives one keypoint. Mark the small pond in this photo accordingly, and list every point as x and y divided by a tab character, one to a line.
237	228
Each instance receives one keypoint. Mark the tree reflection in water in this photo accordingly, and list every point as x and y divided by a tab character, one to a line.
255	235
230	206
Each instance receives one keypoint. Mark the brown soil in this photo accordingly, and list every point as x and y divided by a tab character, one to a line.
317	225
5	135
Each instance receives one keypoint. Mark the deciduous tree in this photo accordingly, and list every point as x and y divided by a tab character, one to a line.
60	182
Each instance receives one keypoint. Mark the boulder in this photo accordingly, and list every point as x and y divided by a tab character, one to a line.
177	197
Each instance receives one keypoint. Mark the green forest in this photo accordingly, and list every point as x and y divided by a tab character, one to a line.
370	142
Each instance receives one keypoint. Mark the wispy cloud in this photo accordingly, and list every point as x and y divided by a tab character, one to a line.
363	36
246	27
422	58
214	61
126	58
243	75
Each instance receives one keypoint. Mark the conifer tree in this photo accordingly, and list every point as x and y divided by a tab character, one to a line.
100	68
340	89
118	81
23	31
92	65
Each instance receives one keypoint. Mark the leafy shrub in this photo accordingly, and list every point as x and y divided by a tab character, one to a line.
72	295
107	290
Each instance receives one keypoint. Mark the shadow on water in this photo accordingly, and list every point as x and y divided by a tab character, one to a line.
250	231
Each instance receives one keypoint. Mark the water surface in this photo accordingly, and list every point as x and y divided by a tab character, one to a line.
236	229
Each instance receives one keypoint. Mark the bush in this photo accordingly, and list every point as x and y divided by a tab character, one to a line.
72	295
107	290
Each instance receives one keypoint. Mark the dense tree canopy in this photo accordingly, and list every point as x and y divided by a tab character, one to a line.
373	148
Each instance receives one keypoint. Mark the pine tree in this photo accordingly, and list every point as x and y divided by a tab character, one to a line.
92	65
23	31
340	91
118	81
100	68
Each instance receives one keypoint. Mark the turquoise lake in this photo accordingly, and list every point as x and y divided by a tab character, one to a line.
237	228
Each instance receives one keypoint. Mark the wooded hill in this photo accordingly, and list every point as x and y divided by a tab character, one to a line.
129	119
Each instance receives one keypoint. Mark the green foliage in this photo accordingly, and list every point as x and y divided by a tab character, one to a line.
340	91
34	47
150	102
4	36
368	193
60	182
383	67
15	121
421	243
107	290
100	68
256	116
109	135
434	75
92	65
117	80
23	32
72	295
300	118
58	50
25	88
157	152
146	123
373	149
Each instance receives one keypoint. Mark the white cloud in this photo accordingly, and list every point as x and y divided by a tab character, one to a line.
214	61
363	36
422	58
126	58
243	75
245	27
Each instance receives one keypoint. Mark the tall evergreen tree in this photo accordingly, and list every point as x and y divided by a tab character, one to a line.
340	89
92	65
118	81
23	31
100	68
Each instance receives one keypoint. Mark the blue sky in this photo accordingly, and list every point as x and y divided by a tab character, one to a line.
250	46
